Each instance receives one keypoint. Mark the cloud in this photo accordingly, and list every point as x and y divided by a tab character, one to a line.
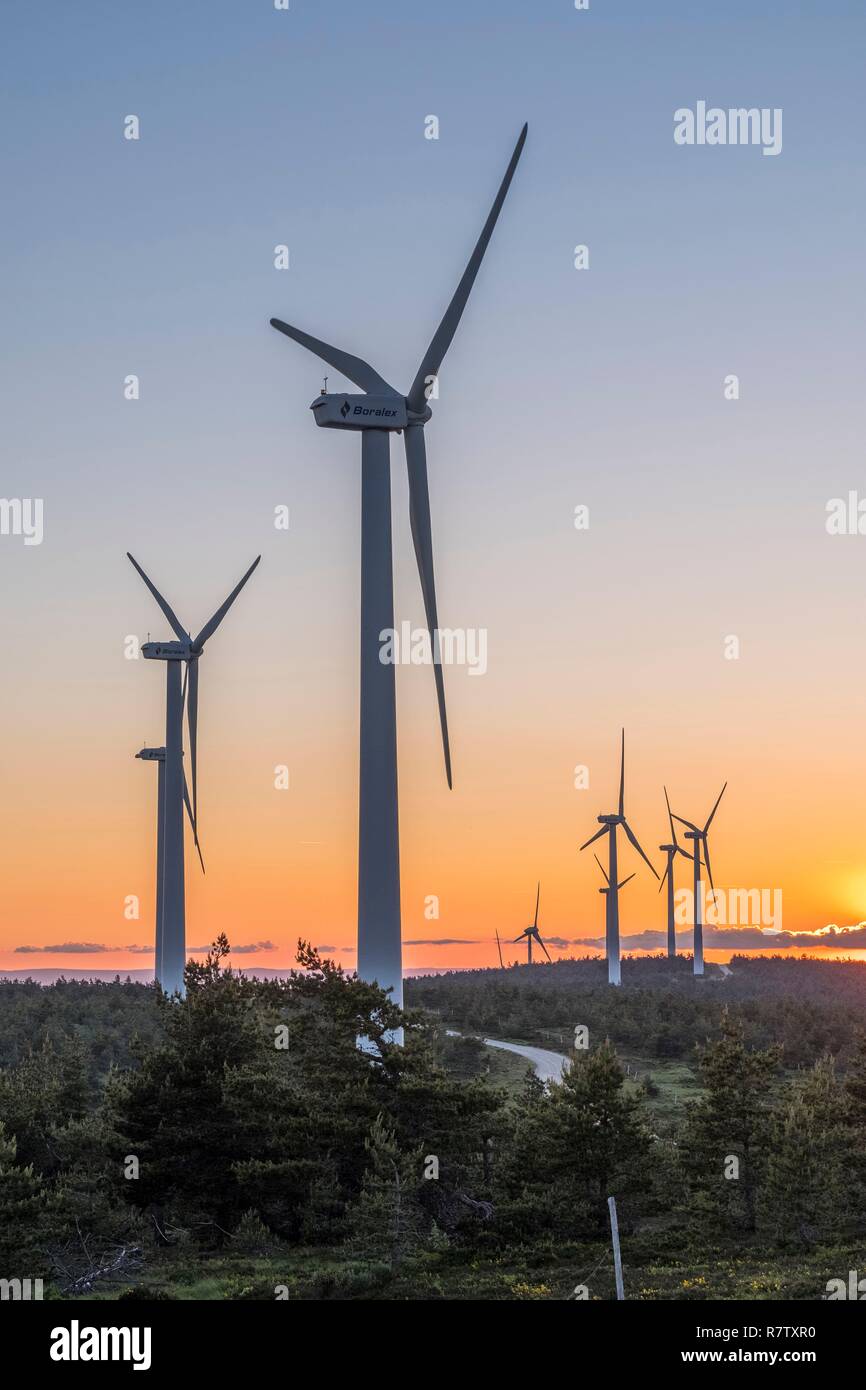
742	939
251	949
443	941
99	948
325	948
80	948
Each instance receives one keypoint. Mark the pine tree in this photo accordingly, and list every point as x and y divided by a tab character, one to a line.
223	1119
387	1220
579	1143
855	1084
47	1088
810	1150
24	1213
855	1092
724	1146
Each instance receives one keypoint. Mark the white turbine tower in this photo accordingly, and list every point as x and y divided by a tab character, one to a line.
170	926
377	414
157	755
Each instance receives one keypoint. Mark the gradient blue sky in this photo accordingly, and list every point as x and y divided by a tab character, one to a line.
156	258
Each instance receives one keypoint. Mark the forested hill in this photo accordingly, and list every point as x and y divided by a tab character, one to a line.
809	1006
239	1144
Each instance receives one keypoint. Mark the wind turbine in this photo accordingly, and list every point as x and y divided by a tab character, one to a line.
171	959
377	414
157	755
671	850
531	933
699	841
609	827
622	884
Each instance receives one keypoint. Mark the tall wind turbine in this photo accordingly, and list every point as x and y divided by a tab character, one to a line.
671	850
532	934
187	650
157	755
699	841
609	827
377	414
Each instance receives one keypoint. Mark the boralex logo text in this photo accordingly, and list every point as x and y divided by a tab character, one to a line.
345	408
713	125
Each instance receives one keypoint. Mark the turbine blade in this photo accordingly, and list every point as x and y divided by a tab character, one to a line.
442	338
537	896
422	538
625	881
631	835
542	945
666	872
169	612
622	777
714	810
355	368
687	823
670	817
685	854
709	870
518	938
192	721
186	803
597	836
210	627
603	870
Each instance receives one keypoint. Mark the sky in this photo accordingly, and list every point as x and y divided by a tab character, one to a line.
602	388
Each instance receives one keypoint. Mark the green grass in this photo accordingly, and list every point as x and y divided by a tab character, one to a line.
548	1275
507	1070
676	1081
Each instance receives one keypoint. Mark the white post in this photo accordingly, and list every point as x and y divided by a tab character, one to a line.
614	1235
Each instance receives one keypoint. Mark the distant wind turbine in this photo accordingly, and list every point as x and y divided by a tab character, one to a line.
499	949
609	827
671	850
699	841
622	882
606	890
186	650
532	934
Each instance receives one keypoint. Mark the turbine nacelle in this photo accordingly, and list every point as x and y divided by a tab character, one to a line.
611	820
151	755
166	651
334	411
